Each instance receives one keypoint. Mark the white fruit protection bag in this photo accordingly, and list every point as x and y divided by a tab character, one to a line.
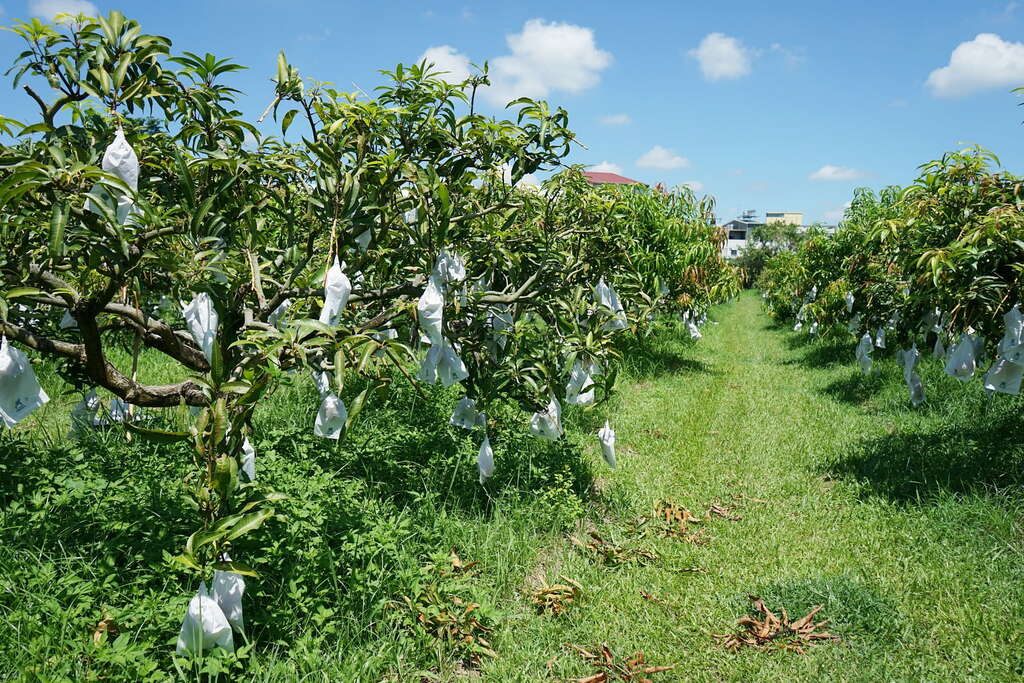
501	321
363	239
248	461
854	324
278	314
330	418
961	362
228	588
606	298
1004	377
1006	372
864	348
442	362
205	626
450	268
120	160
20	393
908	359
430	309
547	424
606	436
1011	346
337	290
849	302
691	326
202	320
332	414
465	414
485	460
84	413
580	389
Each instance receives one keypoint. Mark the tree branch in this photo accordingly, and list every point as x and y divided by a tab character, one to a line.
104	374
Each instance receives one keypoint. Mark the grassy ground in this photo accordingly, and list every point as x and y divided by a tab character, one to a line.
903	524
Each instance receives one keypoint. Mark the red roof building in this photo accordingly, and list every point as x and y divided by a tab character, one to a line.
598	178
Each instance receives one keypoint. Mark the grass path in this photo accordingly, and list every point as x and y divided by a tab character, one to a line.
919	572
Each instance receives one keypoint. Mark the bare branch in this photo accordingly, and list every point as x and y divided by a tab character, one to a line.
109	377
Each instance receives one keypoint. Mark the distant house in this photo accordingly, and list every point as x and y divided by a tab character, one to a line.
600	178
739	232
784	217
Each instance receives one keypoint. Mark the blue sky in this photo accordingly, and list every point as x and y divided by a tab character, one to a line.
772	106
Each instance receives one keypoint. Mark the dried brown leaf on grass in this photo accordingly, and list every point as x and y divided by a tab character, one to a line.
105	629
556	599
675	521
608	669
724	510
766	630
659	601
453	621
613	553
458	566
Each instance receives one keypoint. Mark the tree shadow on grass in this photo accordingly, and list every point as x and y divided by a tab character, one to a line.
667	351
857	389
972	453
97	491
819	353
403	449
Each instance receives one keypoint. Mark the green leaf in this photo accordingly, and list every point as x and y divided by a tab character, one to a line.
187	560
18	292
235	387
250	522
286	122
220	420
225	475
236	567
156	435
58	220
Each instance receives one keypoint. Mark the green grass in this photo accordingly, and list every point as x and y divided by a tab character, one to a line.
903	523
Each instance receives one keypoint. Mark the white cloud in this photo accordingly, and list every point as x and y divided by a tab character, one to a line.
988	61
721	56
48	9
792	58
546	57
446	58
830	172
528	180
662	158
616	119
606	167
695	185
833	216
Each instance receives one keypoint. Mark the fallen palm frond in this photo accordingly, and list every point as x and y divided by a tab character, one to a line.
724	510
608	669
766	630
613	553
556	599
